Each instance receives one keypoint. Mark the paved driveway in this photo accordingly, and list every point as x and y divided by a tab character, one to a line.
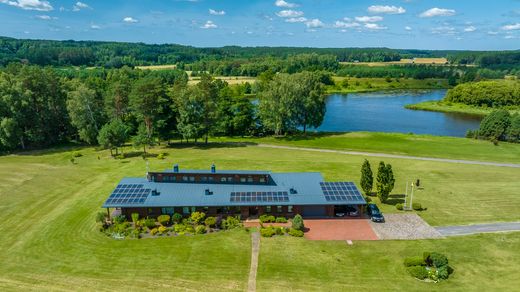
404	226
339	229
478	228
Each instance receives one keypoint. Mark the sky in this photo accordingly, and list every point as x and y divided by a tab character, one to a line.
406	24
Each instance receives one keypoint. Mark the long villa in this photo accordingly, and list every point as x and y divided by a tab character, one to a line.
233	192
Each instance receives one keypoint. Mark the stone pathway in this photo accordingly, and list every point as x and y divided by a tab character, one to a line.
373	154
478	228
404	226
255	250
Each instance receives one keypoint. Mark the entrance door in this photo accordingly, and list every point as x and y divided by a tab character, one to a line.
253	211
314	211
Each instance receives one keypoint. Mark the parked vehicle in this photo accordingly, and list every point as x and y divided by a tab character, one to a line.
375	214
352	211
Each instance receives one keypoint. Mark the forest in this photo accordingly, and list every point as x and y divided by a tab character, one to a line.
492	93
40	108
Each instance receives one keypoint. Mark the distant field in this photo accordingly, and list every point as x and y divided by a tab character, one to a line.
232	80
417	61
156	67
376	84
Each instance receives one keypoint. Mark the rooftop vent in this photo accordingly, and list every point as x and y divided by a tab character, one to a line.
208	192
213	168
155	192
292	191
176	168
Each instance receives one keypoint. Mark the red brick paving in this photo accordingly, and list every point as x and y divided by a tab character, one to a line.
339	229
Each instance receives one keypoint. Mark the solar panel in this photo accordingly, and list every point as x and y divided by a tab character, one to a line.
259	197
341	191
128	194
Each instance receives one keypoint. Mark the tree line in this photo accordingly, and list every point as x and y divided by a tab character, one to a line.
497	94
499	125
42	107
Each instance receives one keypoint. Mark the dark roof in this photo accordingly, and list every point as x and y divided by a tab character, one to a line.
307	189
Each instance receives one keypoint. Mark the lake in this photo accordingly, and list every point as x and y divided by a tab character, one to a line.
385	112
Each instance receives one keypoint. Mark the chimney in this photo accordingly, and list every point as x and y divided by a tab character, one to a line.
176	168
213	168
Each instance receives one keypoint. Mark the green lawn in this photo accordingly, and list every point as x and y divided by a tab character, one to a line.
395	143
440	106
48	238
481	263
375	84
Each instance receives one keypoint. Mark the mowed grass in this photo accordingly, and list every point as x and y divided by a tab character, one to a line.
157	67
49	240
481	263
376	84
396	143
448	107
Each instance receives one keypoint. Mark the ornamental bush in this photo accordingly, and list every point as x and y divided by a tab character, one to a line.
418	272
267	231
417	206
179	228
154	231
438	260
162	230
200	229
197	217
399	206
119	219
281	220
149	223
177	218
190	229
135	218
230	223
297	222
163	219
414	261
210	221
267	218
295	232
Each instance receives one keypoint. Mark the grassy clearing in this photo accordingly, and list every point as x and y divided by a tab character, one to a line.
231	80
448	107
377	84
395	143
481	263
50	242
157	67
415	61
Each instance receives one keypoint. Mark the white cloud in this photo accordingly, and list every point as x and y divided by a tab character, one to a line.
343	24
369	18
130	19
217	12
209	24
407	28
296	19
282	3
510	37
290	13
95	26
515	26
437	12
492	32
80	5
386	9
313	23
374	26
470	28
44	17
29	4
445	30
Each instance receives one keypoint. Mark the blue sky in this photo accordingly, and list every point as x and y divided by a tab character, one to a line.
421	24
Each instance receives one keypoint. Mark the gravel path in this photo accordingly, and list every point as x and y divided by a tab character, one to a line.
478	228
394	156
404	226
255	249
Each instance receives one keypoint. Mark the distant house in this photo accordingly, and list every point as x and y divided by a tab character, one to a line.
233	192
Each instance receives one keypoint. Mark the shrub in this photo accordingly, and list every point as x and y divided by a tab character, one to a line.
161	156
438	260
119	219
163	219
368	199
230	223
443	272
267	231
414	261
295	232
177	218
179	228
279	230
297	222
162	229
197	217
135	218
210	221
149	223
417	206
418	272
76	154
399	206
154	231
267	218
281	220
101	217
136	233
190	229
200	229
426	258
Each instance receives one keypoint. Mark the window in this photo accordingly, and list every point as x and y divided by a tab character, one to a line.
204	178
230	179
262	179
192	178
211	178
167	211
289	209
222	179
185	210
242	179
249	179
193	209
184	178
268	209
279	209
152	178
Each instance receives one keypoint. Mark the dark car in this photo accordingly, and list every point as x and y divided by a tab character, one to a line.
375	214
